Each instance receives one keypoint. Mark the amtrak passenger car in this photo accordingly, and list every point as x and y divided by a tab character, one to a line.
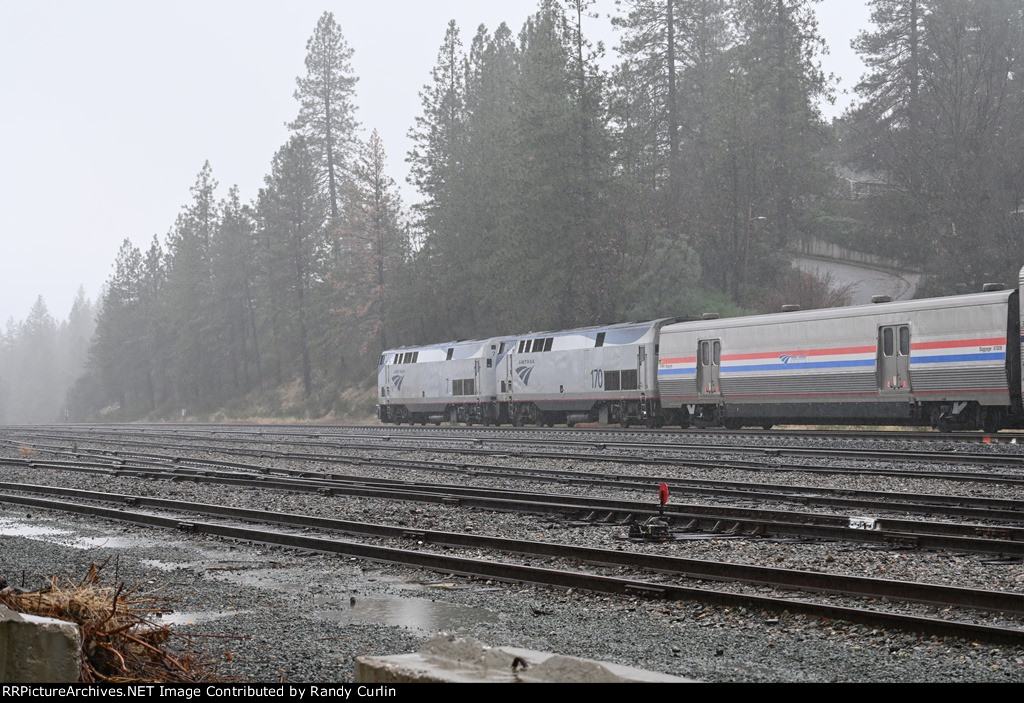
948	362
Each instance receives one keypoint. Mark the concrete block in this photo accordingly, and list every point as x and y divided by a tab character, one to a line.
38	650
446	659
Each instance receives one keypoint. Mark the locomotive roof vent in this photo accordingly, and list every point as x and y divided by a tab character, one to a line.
790	308
881	299
991	287
710	316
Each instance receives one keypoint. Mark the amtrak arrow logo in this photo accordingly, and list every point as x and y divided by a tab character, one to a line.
524	373
397	380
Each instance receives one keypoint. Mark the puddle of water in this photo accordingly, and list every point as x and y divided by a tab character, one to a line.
16	528
51	533
415	613
111	542
193	617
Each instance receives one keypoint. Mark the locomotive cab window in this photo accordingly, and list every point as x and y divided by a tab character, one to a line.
600	340
451	351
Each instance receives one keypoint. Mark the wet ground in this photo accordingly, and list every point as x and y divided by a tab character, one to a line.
394	603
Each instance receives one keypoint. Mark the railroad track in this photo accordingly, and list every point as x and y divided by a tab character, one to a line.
512	472
664	573
1003	535
683	456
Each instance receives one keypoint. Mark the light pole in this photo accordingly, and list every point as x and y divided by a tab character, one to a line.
746	244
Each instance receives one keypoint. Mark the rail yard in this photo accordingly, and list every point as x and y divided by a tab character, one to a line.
778	556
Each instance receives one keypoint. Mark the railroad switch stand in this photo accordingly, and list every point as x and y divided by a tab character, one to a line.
654	529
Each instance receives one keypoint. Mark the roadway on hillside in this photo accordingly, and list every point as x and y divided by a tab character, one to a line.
864	281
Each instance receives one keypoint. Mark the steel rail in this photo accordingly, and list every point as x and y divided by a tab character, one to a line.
957	506
771	451
713	520
505	571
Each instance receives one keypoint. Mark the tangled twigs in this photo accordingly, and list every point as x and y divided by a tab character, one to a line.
121	640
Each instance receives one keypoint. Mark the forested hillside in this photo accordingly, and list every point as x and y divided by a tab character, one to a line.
560	183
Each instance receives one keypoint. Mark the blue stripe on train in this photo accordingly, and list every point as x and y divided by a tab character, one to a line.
994	356
851	363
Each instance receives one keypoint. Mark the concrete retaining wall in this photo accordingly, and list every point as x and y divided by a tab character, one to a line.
38	650
819	248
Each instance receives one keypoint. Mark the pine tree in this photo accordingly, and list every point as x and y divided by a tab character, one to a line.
36	387
487	207
291	226
436	168
234	275
377	252
668	103
939	121
327	108
74	339
190	298
973	168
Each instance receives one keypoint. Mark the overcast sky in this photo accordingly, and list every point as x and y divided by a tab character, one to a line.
108	109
